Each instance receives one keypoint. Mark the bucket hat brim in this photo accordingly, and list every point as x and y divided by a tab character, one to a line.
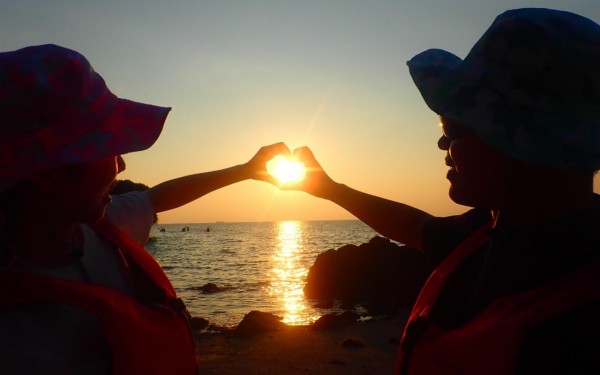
55	110
557	128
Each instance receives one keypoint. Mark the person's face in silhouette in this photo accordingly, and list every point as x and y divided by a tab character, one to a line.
479	175
96	180
80	193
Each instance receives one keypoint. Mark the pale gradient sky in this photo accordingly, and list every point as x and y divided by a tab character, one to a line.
329	74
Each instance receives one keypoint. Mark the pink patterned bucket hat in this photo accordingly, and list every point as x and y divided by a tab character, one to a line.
530	87
55	110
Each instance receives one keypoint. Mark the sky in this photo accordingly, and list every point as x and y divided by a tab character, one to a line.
329	74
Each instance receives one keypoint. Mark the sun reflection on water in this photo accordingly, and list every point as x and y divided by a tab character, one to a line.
288	274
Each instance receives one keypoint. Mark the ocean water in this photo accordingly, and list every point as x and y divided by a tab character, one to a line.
259	266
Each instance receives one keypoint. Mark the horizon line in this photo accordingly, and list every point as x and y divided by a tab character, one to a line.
258	221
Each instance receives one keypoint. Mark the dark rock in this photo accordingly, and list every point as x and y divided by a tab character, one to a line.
380	275
256	323
198	323
210	288
335	321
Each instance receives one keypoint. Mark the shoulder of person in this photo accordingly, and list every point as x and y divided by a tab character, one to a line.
441	235
132	212
128	201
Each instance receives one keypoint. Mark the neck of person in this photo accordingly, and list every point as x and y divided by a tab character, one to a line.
541	199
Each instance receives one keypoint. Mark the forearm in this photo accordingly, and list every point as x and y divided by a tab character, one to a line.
397	221
180	191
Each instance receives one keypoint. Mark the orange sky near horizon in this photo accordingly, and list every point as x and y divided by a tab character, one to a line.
241	74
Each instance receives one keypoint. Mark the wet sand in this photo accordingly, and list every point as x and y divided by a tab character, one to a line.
361	348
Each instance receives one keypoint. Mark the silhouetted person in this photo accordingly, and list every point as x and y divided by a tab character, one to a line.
78	293
517	283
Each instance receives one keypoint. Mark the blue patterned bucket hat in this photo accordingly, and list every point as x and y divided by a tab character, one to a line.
530	87
56	110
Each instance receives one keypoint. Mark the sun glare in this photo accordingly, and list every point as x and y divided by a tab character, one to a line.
285	170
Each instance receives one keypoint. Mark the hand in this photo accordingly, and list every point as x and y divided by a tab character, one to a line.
316	181
257	166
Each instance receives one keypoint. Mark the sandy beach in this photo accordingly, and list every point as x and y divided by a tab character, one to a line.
367	347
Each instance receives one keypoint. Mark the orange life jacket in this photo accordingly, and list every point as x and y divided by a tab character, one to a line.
143	339
488	343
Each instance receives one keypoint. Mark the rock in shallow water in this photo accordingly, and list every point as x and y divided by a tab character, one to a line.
334	321
198	323
210	288
256	323
379	274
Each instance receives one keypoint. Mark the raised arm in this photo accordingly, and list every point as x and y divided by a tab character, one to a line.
394	220
180	191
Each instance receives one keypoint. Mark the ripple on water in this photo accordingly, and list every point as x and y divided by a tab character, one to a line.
264	265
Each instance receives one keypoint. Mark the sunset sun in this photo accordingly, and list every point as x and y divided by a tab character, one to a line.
285	170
